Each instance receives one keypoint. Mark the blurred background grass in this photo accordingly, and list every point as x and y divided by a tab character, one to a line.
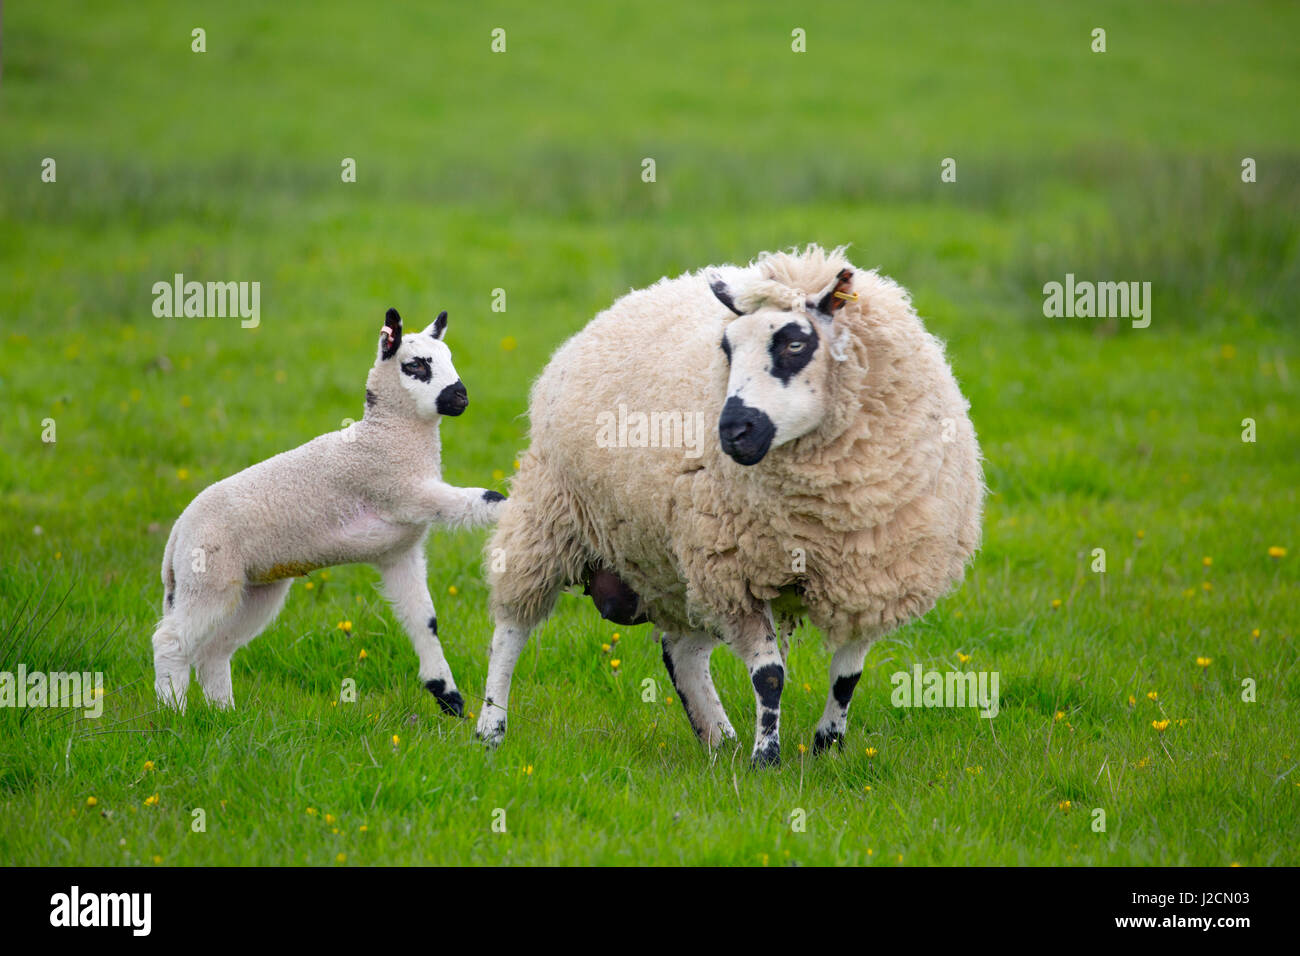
522	171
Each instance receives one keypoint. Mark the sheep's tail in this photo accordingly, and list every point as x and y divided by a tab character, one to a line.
169	572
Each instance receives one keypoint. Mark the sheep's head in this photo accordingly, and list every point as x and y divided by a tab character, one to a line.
422	365
779	355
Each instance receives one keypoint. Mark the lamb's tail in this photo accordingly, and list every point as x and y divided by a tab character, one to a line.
169	572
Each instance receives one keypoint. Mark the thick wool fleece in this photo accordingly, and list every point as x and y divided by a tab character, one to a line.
872	515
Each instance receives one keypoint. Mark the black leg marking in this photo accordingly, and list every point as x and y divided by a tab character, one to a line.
844	687
493	496
433	625
451	703
768	682
371	398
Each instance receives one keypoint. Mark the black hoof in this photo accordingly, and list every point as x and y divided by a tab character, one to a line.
451	703
768	756
823	740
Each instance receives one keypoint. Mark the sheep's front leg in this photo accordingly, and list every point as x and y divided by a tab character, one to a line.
753	638
846	668
406	585
686	657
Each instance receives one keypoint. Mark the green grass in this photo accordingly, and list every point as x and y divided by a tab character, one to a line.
522	171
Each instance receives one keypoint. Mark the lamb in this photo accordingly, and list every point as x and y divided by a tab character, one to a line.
845	483
368	493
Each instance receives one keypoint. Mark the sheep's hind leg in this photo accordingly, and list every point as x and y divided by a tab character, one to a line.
406	585
846	668
258	607
508	640
686	657
753	639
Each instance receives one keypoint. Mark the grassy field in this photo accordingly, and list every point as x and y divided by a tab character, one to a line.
522	170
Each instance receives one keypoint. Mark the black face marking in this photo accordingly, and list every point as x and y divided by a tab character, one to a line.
745	433
726	348
792	348
371	398
171	598
433	625
451	702
418	368
768	681
453	399
491	495
843	689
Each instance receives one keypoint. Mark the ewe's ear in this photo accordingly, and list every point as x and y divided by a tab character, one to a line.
723	292
832	298
438	327
391	335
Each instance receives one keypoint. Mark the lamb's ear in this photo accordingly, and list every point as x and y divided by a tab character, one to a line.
438	327
833	297
390	337
723	292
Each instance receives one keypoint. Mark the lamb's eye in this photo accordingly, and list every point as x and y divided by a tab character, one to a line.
794	348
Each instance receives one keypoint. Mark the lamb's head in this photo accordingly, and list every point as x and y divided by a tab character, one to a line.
420	366
779	349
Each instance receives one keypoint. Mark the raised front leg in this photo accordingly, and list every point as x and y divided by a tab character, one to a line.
753	638
454	507
406	586
846	668
686	656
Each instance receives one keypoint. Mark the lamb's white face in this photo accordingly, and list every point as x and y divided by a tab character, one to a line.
776	390
424	367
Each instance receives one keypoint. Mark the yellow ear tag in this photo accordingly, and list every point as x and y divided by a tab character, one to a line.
846	296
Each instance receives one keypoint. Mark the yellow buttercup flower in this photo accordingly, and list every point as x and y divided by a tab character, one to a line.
614	663
803	749
1152	695
1056	602
1060	715
451	589
1203	662
362	655
962	658
345	627
871	752
1207	561
91	801
396	740
1276	552
1160	725
148	765
152	801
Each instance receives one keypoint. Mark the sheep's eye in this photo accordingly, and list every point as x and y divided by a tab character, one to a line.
794	348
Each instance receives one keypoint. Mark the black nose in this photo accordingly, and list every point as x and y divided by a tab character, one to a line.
453	399
745	433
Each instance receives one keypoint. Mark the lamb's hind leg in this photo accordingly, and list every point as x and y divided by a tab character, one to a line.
846	668
686	656
260	604
406	585
753	638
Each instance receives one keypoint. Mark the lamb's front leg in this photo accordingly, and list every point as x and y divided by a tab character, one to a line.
406	585
457	507
753	638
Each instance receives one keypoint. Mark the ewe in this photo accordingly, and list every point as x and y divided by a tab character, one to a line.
368	493
845	480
